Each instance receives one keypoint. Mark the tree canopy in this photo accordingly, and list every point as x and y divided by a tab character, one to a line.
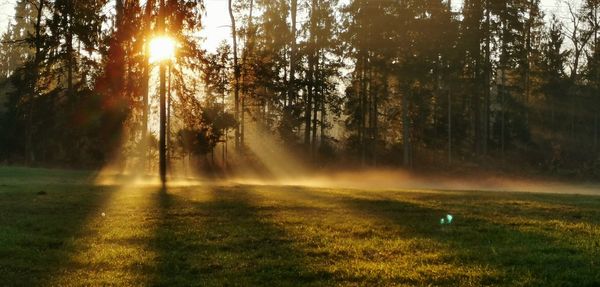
372	83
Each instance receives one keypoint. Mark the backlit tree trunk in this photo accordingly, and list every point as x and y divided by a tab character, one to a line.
236	75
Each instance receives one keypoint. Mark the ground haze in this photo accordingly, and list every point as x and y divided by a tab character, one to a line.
57	229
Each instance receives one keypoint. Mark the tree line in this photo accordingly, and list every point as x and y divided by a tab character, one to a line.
411	83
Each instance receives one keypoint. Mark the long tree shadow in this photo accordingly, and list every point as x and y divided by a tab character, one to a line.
39	225
571	209
221	238
484	248
519	256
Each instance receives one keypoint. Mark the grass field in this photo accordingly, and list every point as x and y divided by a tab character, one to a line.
57	229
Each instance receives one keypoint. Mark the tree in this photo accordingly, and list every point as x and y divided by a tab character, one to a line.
18	71
236	73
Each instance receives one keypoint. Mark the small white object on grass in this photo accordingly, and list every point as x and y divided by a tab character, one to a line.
446	219
103	214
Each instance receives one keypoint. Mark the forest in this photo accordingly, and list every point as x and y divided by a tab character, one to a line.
335	83
299	143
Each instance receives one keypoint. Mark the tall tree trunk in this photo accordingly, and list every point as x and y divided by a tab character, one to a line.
477	116
236	72
367	109
487	79
363	108
597	75
359	93
316	76
308	104
503	115
449	126
29	150
372	115
504	64
596	132
528	48
449	91
247	51
323	105
310	100
162	150
292	82
477	135
406	126
169	147
375	122
70	62
146	77
315	121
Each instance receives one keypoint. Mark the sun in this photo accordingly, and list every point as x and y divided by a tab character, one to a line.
162	48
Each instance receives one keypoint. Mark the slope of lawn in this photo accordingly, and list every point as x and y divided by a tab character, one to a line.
58	229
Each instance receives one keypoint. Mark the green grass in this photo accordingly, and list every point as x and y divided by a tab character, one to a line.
284	236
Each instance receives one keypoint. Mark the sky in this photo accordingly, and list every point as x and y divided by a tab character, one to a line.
218	29
6	12
217	23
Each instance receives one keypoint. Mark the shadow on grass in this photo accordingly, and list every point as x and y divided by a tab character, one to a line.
206	236
223	239
480	249
520	257
38	225
572	209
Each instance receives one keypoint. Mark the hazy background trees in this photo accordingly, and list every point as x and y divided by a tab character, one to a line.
371	83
